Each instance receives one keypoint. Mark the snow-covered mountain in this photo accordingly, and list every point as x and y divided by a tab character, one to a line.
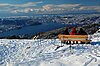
42	52
95	38
26	26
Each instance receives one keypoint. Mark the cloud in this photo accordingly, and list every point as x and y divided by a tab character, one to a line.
96	8
61	6
5	4
16	6
28	4
47	8
69	7
26	10
20	5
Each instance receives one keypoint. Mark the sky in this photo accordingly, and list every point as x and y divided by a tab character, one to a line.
31	7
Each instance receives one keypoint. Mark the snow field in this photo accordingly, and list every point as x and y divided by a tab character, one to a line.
42	52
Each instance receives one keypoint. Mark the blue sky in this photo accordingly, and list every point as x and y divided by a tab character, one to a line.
30	7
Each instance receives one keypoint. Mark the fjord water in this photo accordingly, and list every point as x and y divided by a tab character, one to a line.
31	30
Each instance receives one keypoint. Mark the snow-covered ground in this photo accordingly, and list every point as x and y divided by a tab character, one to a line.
42	52
96	36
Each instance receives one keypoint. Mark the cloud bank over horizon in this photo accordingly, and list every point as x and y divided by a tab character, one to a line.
52	8
47	8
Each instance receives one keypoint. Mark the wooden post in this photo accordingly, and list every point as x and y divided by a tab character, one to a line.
62	40
70	47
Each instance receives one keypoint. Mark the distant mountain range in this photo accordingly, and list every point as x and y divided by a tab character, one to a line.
26	26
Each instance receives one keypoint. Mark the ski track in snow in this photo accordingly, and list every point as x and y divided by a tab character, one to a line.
42	52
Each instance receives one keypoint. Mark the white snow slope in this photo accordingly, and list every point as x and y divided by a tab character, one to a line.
42	53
